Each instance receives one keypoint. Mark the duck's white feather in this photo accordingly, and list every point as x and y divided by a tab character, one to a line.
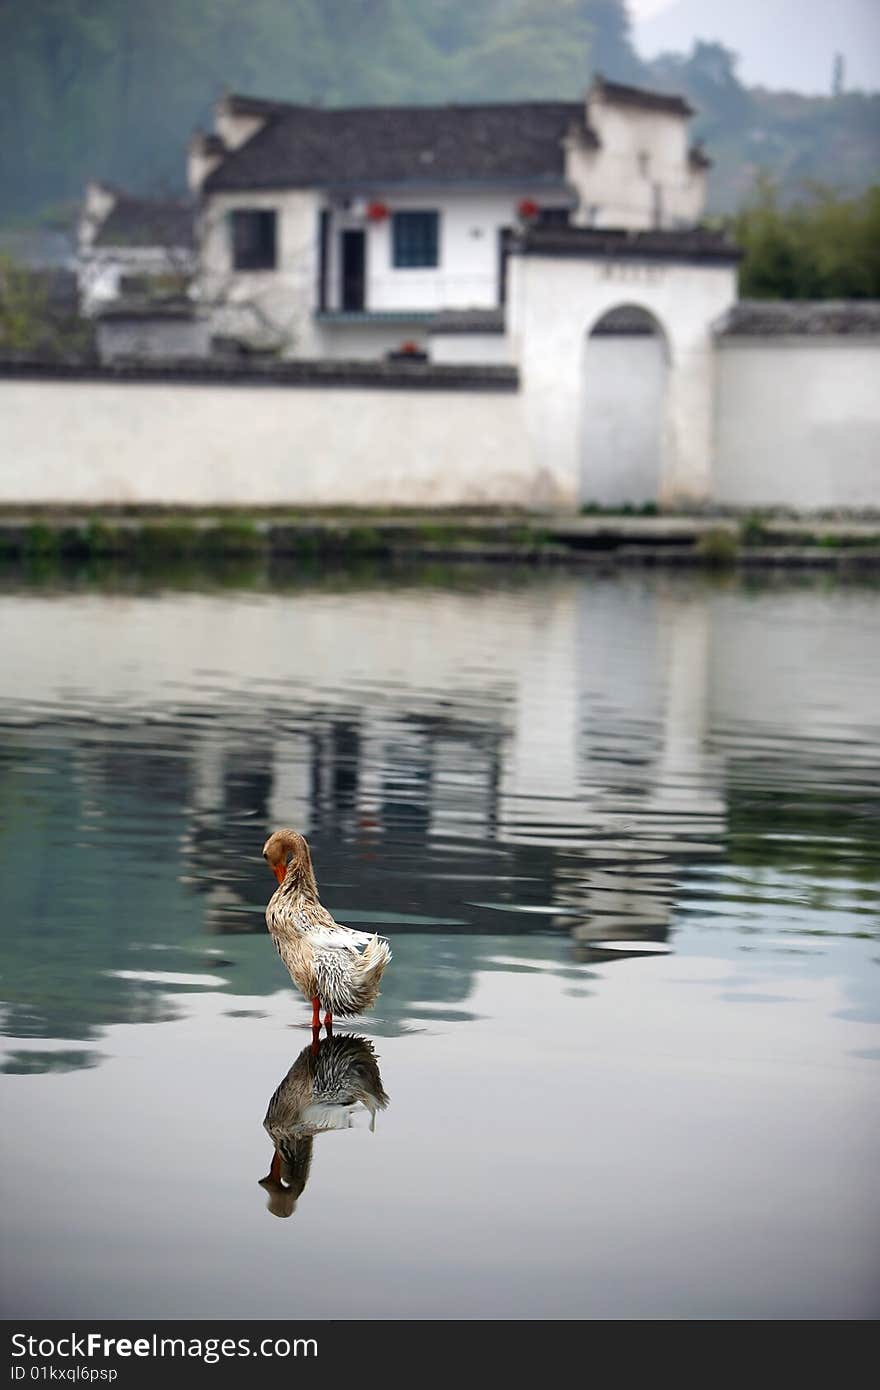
337	938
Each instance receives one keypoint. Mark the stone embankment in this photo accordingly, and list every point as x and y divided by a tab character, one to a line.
707	541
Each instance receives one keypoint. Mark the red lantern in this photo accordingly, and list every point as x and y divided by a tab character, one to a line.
528	209
409	348
376	212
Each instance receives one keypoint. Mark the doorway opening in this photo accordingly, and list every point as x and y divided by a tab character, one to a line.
626	361
353	265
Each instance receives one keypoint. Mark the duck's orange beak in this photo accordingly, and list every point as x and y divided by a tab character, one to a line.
279	870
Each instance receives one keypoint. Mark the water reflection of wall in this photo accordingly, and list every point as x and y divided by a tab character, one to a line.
472	761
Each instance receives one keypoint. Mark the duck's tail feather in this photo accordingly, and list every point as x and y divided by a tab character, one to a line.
376	954
373	960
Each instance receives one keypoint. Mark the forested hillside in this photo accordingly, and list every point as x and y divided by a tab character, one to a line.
112	88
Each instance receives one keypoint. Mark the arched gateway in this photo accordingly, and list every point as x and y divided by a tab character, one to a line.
626	360
567	283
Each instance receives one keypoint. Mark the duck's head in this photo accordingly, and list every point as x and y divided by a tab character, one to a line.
288	1175
285	847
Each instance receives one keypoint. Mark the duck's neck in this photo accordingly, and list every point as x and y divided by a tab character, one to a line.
299	881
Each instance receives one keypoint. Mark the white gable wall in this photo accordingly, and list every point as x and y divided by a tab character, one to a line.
271	308
234	128
100	271
639	153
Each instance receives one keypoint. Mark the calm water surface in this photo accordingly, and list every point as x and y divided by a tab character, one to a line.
622	836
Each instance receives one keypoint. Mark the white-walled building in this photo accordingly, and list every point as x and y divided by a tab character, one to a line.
131	247
495	305
346	232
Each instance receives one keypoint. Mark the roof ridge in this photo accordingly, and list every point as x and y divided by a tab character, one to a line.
279	107
626	91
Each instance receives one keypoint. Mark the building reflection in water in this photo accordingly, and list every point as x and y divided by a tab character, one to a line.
567	757
328	1083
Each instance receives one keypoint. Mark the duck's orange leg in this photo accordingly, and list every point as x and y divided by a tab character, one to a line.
316	1040
328	1022
316	1012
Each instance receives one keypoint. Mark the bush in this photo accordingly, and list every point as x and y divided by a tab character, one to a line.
824	247
718	548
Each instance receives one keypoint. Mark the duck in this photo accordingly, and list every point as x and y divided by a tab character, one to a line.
325	1086
330	964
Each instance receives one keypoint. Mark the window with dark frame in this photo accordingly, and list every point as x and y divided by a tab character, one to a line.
254	238
415	240
554	217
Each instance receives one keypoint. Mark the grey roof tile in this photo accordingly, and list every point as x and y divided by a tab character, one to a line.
303	147
147	222
778	317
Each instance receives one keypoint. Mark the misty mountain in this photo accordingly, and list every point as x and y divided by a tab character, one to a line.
112	89
784	44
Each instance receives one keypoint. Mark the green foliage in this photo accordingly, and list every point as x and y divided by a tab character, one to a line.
32	323
825	247
717	548
41	540
22	308
752	529
233	536
101	538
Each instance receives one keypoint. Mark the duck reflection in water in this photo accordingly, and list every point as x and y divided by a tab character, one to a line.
325	1086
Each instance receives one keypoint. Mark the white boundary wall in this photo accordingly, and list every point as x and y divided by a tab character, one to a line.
91	442
798	422
556	302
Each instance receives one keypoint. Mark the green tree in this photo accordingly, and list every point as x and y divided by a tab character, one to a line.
22	308
823	247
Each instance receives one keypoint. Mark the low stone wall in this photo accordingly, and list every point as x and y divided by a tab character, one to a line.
200	436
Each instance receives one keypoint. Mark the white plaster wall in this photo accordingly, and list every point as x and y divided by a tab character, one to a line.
554	304
467	274
199	164
470	348
235	128
152	339
624	384
272	308
99	272
198	445
613	187
798	423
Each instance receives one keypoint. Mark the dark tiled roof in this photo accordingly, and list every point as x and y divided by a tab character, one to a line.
146	222
306	147
401	375
453	321
211	143
620	95
694	244
775	318
241	105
